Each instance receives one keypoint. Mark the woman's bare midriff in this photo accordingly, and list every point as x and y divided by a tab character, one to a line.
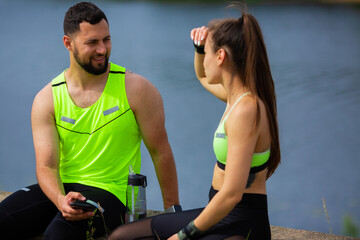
258	186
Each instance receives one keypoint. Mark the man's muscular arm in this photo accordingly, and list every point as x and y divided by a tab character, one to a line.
146	102
46	144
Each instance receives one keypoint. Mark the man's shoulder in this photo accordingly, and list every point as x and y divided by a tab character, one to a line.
45	92
59	79
136	81
43	101
140	91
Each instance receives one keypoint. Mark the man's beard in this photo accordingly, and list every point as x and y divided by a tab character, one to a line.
88	67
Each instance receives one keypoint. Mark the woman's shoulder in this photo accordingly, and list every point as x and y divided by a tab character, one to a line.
243	112
246	111
246	106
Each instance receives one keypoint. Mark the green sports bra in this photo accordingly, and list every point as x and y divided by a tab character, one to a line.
220	145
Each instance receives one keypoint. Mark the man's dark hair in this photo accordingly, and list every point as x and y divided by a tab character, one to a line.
82	12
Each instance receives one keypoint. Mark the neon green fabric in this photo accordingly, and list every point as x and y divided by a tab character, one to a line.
220	143
98	143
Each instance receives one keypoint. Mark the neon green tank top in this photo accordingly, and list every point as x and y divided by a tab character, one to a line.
98	143
220	145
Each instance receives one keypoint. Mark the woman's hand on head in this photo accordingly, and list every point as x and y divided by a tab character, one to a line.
199	35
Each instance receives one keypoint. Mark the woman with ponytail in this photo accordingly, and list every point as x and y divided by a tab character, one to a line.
231	63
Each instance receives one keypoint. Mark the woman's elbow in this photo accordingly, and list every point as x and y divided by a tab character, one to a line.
233	197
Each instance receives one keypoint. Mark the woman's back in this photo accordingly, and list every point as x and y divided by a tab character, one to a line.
262	142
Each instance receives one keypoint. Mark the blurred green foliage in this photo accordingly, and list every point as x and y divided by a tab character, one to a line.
350	227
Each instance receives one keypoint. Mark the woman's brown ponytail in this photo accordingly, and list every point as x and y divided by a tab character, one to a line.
243	41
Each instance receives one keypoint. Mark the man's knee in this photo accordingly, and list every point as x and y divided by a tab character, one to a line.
60	228
7	225
10	228
63	229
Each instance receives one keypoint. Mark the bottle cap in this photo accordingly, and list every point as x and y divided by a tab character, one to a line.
137	180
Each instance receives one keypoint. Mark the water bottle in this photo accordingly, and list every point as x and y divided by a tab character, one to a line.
135	196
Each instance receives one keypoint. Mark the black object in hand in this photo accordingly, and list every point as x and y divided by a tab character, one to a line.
85	205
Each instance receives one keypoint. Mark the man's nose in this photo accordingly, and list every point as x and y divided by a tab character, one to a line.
101	48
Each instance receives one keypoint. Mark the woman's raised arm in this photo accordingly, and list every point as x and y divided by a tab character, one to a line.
199	36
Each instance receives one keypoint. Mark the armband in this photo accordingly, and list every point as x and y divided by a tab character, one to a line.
199	49
189	232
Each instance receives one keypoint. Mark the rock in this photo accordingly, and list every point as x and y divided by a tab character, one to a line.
277	233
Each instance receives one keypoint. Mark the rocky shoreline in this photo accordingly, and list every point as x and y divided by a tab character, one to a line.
280	233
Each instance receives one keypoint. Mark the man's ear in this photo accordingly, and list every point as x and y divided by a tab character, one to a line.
67	42
221	56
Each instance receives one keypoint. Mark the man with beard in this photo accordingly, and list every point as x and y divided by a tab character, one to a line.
87	125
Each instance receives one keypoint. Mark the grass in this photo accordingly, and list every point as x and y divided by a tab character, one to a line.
350	227
326	214
92	229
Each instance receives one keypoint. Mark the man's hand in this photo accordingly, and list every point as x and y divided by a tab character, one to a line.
72	214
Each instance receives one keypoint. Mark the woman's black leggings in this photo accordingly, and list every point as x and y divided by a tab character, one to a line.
29	212
248	220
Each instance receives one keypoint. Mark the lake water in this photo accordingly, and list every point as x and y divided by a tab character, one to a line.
315	59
